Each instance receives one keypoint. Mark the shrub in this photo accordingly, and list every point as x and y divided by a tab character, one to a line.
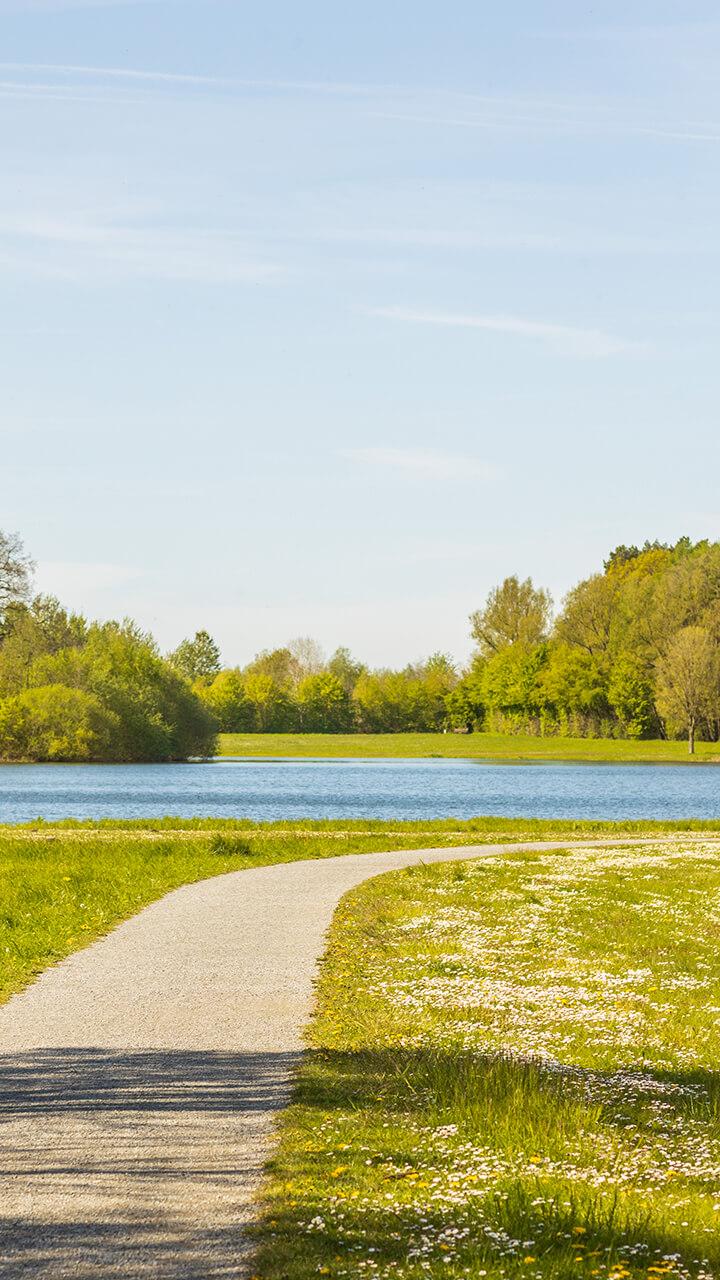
54	722
230	846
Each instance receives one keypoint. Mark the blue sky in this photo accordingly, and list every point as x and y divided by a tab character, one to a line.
322	319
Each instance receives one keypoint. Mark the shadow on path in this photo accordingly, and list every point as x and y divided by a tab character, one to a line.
132	1164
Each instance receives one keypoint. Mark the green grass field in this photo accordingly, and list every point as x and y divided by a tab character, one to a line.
64	884
486	746
513	1073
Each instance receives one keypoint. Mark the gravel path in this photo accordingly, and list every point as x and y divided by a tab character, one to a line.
139	1078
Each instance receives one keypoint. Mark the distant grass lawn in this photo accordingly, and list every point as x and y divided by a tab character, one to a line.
490	746
64	884
513	1073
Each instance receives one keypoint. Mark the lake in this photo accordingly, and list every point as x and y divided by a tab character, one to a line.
272	789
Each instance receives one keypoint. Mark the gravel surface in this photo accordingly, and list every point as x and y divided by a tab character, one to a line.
140	1078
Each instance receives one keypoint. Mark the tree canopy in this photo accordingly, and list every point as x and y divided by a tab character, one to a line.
196	659
515	613
70	690
634	651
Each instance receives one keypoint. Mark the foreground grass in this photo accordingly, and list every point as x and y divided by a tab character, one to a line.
513	1073
64	884
487	746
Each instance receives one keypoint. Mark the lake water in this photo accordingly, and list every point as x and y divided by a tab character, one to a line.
268	790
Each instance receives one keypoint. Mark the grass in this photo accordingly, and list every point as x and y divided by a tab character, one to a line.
512	1073
64	884
481	746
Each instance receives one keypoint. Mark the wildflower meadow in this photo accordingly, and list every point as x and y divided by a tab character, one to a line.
512	1073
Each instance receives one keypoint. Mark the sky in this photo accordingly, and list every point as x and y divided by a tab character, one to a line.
322	319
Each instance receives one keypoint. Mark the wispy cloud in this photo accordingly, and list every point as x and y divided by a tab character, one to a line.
69	249
111	73
414	105
565	339
427	463
572	124
81	72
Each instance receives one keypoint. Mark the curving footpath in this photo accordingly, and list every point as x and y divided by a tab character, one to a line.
139	1078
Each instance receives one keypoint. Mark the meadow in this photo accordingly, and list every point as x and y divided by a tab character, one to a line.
512	1072
485	746
63	885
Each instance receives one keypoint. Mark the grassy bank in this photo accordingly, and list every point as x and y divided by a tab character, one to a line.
64	884
513	1075
486	746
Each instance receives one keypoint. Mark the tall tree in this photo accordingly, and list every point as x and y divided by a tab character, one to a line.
16	570
587	616
31	631
343	665
197	659
279	664
308	655
515	612
688	680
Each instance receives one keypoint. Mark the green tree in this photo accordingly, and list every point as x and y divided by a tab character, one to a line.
227	701
392	702
631	695
512	682
53	722
621	555
196	659
279	664
575	688
348	671
270	703
688	681
464	704
159	717
437	676
31	631
515	613
324	704
587	615
412	700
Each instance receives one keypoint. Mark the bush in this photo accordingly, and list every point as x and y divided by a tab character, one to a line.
230	846
158	715
54	722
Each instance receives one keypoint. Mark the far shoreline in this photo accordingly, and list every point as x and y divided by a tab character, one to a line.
481	748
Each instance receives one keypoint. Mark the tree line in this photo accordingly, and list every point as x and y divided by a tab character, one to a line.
633	651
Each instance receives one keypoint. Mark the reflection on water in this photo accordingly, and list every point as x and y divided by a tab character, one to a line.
268	790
